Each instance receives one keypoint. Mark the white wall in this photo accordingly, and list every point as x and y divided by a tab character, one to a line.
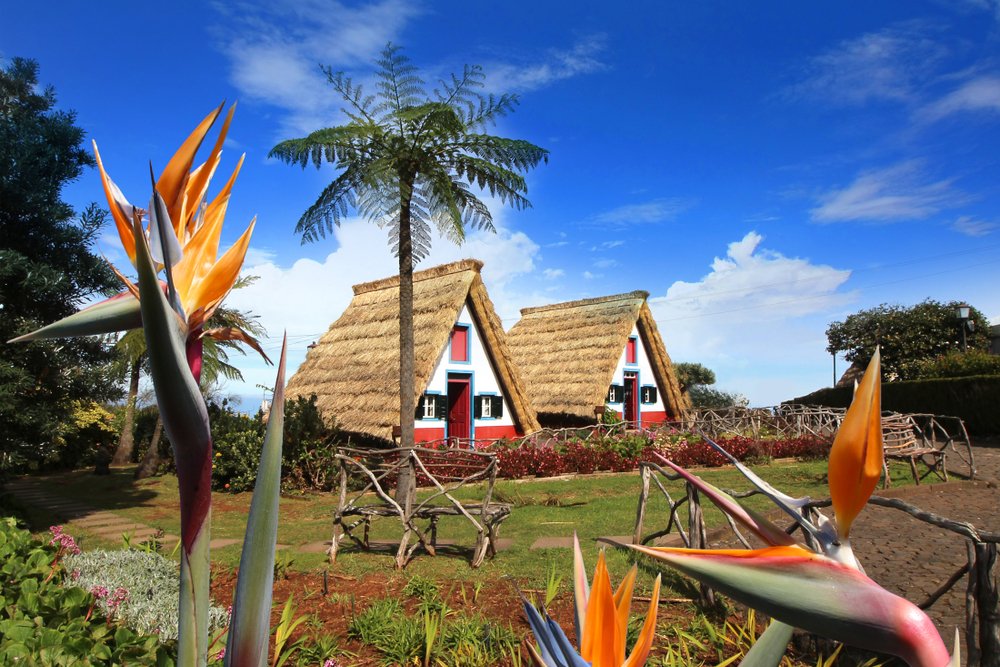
646	377
484	377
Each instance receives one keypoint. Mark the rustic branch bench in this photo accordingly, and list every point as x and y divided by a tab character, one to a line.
441	472
904	440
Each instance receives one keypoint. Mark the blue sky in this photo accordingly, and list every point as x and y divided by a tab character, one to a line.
761	170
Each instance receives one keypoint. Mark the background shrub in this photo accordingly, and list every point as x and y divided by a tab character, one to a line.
959	364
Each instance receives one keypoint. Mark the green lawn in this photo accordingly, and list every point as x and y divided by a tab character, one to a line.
593	506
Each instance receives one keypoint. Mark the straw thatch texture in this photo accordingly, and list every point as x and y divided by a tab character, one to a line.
354	367
567	353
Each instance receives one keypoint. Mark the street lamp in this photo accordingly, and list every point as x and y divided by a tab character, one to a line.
962	312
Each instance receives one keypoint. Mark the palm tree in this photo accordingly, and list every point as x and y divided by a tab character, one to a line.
408	161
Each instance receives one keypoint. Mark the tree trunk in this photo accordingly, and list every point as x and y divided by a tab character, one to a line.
404	488
126	443
151	461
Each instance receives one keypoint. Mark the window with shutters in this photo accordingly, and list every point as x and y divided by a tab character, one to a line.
486	407
429	404
616	392
648	394
631	350
460	343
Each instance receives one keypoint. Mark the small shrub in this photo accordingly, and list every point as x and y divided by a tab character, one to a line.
152	587
63	625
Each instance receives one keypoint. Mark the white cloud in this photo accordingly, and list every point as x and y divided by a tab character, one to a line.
556	65
650	212
970	226
605	263
757	319
274	49
257	256
557	244
889	65
587	275
978	94
898	192
552	274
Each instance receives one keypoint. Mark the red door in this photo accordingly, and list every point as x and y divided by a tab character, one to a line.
459	407
631	402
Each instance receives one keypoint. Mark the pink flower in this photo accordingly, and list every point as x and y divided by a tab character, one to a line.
99	592
330	662
220	655
117	598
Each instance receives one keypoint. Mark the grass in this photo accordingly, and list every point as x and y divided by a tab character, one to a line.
592	505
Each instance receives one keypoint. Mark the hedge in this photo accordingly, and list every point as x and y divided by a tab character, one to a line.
975	399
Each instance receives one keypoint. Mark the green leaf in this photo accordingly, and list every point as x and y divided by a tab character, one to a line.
246	644
770	647
119	313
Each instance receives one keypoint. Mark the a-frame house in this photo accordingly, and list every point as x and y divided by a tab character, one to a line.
467	386
581	357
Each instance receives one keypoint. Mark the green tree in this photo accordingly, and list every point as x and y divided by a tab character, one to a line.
695	381
908	335
409	161
47	268
690	374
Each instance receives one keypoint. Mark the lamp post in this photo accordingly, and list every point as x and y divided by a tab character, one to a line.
962	312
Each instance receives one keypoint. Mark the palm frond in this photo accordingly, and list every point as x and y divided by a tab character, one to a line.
398	83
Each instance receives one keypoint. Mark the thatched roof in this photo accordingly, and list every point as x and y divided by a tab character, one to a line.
354	367
567	353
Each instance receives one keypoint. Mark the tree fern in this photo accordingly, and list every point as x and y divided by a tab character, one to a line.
411	163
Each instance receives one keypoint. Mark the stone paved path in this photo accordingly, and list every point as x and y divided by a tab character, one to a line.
107	525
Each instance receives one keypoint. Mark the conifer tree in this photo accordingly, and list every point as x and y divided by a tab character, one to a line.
47	268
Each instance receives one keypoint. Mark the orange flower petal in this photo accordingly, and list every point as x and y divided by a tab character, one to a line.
856	456
208	291
216	210
171	184
197	184
623	598
645	641
122	223
603	645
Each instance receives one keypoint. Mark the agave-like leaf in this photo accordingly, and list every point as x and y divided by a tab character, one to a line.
770	647
554	648
185	418
817	594
119	313
246	645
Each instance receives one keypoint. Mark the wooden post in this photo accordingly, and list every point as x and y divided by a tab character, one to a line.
987	604
696	533
640	511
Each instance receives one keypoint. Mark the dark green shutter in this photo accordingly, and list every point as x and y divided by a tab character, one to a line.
477	406
649	394
497	407
419	413
441	406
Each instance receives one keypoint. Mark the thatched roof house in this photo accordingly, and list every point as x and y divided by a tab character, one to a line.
579	355
462	363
